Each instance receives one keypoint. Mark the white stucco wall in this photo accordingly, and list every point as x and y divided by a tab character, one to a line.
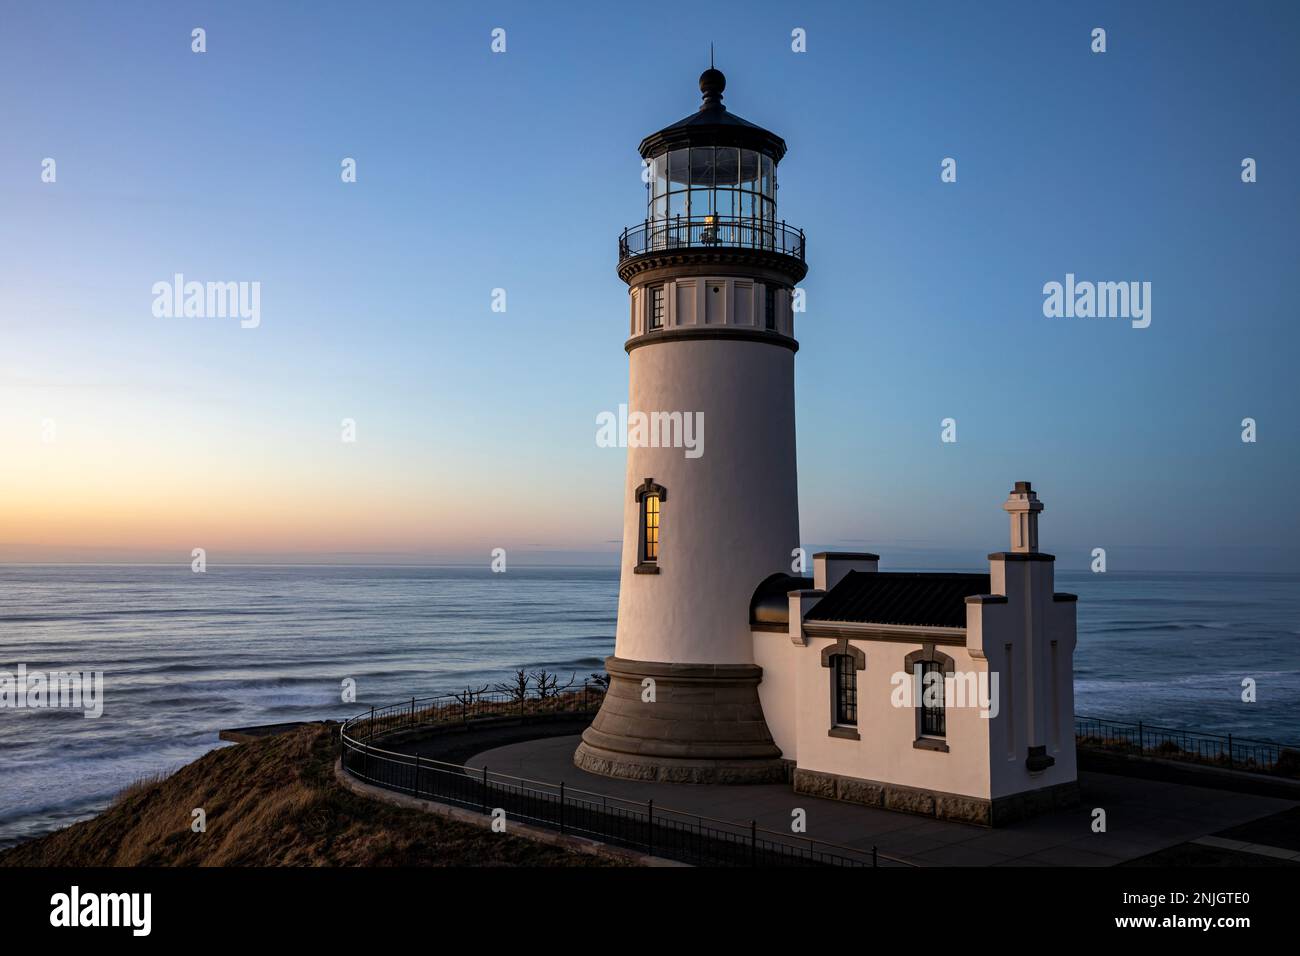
885	752
1030	641
731	515
778	691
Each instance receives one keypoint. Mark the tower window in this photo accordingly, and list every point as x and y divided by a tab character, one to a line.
651	498
845	675
657	307
650	528
769	307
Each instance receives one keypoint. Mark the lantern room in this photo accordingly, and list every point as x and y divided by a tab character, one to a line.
711	182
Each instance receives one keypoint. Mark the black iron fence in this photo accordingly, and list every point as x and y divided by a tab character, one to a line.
657	235
642	826
471	705
1224	750
669	833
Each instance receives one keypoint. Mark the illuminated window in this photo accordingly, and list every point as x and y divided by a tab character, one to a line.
651	498
650	528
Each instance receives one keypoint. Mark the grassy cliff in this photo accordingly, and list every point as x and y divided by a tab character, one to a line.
274	802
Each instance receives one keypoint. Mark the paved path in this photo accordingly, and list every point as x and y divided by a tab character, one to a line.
1142	816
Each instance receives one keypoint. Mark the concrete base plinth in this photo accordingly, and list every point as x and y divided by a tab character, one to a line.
961	808
694	723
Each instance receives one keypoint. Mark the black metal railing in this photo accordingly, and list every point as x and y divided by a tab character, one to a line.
1223	750
710	232
470	705
641	826
665	832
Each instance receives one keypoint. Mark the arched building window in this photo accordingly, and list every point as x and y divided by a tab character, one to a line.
929	668
933	701
846	690
844	661
651	498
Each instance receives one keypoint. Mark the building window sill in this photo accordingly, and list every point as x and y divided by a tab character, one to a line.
844	733
930	743
646	568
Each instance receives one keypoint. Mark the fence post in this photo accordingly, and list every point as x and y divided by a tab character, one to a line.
753	842
417	775
371	735
650	828
561	806
485	792
412	711
1141	747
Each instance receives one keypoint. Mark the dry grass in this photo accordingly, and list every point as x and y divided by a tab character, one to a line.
274	802
147	782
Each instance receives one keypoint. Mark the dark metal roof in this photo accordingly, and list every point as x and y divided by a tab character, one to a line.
713	125
893	597
771	602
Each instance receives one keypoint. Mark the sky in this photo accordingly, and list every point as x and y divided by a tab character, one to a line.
125	436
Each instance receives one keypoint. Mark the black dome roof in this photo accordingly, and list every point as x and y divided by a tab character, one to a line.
713	125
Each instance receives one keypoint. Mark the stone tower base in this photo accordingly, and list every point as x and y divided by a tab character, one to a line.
704	724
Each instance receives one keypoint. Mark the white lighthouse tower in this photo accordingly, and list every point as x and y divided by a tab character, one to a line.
710	273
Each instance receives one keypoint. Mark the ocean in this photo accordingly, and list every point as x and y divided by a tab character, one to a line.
185	655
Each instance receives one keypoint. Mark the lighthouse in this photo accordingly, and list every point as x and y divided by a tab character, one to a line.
710	272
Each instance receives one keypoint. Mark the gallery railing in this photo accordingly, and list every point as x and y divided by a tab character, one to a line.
1224	750
711	232
641	826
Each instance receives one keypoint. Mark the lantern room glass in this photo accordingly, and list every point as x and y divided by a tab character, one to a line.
723	185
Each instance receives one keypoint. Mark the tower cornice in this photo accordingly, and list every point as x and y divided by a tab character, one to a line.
733	333
761	264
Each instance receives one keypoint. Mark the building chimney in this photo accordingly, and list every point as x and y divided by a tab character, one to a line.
830	567
1023	506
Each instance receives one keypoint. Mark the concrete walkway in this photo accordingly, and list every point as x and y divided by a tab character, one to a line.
1142	816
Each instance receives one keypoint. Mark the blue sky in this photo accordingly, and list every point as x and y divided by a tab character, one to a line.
518	170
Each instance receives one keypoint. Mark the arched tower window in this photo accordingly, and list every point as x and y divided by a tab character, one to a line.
651	498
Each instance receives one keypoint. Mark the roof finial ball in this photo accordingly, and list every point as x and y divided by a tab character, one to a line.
712	83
